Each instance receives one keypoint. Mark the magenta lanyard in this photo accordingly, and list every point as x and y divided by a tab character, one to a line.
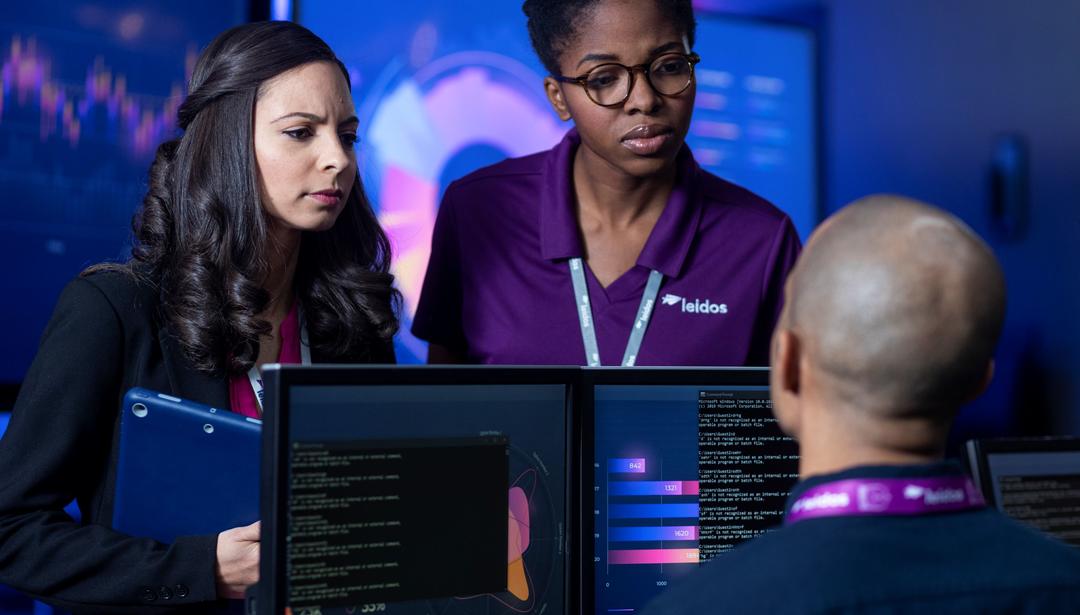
886	496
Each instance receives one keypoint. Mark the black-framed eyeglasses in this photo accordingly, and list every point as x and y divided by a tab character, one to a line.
609	85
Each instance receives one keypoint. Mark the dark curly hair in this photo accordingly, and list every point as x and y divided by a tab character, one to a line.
202	233
553	24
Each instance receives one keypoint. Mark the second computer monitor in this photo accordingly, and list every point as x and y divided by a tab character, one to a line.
680	466
1033	480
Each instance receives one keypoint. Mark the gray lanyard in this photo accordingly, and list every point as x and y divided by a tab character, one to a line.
585	317
255	376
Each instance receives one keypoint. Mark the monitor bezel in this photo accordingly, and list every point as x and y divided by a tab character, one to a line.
983	448
280	379
647	376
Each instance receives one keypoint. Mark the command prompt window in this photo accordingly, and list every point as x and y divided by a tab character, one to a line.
388	521
1049	503
746	468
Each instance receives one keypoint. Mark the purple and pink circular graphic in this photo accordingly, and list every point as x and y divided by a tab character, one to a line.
420	125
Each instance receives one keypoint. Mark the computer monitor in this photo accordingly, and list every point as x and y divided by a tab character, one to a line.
416	490
1033	480
684	464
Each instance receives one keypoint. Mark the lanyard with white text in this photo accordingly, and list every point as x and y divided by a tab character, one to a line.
305	359
585	317
886	496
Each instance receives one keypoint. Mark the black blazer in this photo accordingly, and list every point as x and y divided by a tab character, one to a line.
106	336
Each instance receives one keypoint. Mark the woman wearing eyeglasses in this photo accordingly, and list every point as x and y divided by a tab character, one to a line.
614	247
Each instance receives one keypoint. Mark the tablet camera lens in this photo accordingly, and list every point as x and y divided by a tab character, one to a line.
208	428
139	410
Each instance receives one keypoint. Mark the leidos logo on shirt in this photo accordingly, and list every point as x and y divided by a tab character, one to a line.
694	306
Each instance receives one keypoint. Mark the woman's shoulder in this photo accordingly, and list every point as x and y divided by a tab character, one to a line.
719	192
127	289
100	306
511	171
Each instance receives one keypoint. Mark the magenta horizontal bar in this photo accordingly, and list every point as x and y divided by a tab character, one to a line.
653	556
654	487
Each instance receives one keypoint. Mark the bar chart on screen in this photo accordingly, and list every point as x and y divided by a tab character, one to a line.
649	522
681	474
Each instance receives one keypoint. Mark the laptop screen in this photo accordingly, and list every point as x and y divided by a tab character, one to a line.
410	491
1035	481
687	465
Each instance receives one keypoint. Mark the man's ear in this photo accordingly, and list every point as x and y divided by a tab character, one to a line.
786	379
789	354
554	92
984	382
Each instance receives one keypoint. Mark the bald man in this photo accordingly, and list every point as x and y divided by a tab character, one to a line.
892	314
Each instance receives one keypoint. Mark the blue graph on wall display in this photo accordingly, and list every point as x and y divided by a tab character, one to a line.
89	90
445	88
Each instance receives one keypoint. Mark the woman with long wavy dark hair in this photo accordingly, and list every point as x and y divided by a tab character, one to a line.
255	244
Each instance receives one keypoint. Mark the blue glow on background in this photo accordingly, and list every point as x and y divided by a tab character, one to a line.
281	10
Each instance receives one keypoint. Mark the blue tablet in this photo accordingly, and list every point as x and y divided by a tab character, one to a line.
184	468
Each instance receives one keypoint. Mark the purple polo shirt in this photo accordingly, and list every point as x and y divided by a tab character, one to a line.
498	284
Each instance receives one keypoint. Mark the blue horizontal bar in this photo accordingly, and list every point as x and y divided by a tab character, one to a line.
653	511
652	533
626	466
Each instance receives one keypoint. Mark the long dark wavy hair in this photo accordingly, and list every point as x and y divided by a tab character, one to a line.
202	233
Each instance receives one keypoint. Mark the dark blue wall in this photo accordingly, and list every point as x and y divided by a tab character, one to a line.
917	92
915	95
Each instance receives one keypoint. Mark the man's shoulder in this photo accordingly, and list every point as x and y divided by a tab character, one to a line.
942	560
1031	548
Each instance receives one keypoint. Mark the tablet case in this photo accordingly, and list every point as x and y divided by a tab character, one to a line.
184	468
